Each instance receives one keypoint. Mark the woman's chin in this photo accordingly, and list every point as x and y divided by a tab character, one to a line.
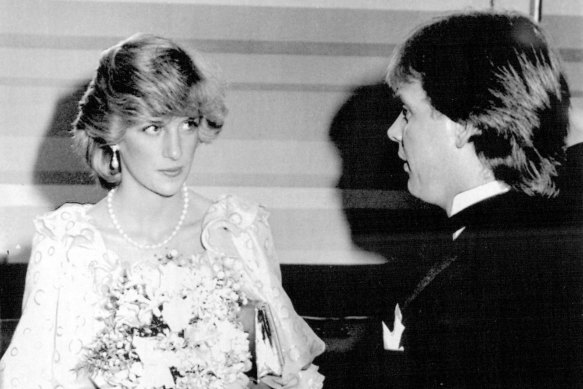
170	189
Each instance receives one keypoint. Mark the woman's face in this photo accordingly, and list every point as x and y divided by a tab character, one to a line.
158	155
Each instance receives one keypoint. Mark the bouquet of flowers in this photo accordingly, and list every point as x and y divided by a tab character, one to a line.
172	324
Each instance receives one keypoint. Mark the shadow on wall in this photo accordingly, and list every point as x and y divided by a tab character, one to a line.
373	185
57	165
359	131
59	174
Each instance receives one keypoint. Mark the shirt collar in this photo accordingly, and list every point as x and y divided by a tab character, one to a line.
473	196
470	197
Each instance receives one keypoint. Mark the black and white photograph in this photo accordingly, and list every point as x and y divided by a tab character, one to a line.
291	194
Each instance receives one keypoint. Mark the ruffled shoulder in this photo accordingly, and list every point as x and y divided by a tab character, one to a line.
68	219
240	212
61	303
234	216
69	232
239	229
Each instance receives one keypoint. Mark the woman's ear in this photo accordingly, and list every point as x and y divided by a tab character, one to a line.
463	134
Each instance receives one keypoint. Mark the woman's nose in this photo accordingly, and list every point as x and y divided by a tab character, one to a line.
395	131
172	144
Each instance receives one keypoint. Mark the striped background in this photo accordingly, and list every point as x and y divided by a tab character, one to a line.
305	134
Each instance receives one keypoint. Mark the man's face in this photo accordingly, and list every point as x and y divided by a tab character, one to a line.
427	144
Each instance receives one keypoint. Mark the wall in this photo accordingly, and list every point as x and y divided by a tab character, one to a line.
308	115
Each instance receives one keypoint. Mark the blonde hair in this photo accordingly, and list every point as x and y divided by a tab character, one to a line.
140	78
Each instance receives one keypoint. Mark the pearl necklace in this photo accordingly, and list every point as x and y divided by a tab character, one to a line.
147	246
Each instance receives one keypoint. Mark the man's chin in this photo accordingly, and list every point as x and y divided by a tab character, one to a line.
415	191
411	189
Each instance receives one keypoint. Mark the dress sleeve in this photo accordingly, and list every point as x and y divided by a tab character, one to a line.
43	349
239	229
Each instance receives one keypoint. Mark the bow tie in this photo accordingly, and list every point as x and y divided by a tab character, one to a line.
455	225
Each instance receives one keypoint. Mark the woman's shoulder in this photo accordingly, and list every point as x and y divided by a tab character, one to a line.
66	213
67	218
237	210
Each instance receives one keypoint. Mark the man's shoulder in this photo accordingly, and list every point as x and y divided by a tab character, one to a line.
517	229
510	210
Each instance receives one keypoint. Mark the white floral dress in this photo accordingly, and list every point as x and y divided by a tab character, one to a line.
69	267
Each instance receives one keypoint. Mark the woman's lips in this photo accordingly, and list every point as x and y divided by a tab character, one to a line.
174	172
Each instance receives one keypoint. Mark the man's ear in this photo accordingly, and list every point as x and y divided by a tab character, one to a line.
463	133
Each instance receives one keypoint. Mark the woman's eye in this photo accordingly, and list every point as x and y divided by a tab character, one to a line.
152	129
191	124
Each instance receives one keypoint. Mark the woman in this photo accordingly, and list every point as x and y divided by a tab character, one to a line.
147	109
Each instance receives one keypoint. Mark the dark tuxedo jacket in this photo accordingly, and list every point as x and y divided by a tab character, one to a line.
501	307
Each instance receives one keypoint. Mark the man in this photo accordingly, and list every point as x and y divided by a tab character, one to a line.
482	133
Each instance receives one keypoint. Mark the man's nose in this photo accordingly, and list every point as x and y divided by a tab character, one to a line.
395	132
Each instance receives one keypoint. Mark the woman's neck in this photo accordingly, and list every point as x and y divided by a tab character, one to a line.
146	217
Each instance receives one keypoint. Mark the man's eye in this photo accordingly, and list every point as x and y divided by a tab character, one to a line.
405	113
152	129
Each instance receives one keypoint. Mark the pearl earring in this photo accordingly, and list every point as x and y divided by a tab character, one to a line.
114	160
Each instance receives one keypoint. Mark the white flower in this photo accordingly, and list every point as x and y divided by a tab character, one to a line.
177	313
128	314
136	370
205	271
156	363
145	274
145	317
241	381
175	278
201	332
229	333
185	312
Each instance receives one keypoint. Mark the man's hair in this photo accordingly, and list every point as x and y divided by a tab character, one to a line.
497	73
144	78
